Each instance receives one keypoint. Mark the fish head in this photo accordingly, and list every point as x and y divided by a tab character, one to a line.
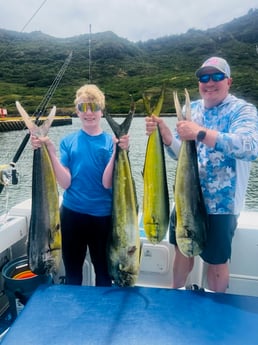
41	264
126	275
189	247
127	266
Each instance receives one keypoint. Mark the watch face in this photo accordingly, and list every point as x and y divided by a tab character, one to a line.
201	135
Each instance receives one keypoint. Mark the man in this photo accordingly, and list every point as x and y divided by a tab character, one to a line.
226	132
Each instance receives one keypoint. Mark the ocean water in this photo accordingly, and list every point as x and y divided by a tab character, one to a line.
10	141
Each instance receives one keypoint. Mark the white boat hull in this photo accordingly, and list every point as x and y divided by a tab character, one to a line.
157	260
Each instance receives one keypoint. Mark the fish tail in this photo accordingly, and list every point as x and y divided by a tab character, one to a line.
123	128
157	109
187	106
34	129
146	103
179	112
44	128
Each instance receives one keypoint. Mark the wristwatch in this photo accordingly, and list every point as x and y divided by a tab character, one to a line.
201	135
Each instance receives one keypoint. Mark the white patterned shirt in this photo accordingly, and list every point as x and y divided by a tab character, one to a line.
224	170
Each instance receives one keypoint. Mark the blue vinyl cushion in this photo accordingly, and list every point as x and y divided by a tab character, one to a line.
80	315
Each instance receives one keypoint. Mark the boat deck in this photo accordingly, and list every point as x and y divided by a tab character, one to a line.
155	276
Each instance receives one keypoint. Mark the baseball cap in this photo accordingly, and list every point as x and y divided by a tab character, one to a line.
217	63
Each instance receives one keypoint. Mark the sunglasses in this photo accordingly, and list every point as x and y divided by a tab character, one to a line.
205	78
82	107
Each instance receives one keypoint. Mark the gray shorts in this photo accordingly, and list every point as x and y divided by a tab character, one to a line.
219	237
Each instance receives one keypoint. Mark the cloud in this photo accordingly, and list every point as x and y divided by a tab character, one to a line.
132	19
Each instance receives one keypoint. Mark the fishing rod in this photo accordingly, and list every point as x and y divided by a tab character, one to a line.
90	75
8	172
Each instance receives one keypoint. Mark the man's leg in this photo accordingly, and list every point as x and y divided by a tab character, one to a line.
217	251
218	277
181	268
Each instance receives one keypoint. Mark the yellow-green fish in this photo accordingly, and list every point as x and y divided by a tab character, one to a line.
124	243
155	193
44	240
191	215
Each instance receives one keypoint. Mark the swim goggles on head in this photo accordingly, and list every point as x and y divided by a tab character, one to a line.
205	78
83	107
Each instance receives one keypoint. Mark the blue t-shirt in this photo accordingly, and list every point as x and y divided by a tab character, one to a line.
224	170
86	157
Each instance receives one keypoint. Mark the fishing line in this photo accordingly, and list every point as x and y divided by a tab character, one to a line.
39	111
34	14
43	3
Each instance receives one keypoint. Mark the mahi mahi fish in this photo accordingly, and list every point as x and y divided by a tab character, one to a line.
124	243
191	215
155	193
44	240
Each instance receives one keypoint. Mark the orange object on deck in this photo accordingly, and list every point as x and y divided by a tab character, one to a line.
24	275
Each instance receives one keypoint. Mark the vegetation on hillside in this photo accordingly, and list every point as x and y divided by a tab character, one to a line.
30	62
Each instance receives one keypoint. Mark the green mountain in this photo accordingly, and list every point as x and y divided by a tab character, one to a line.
29	63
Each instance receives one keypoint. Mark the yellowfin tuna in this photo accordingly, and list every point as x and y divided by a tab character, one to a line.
191	216
155	194
44	241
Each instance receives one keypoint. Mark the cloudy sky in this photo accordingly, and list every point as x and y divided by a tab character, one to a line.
136	20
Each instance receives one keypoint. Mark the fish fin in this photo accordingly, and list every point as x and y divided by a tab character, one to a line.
123	128
131	250
34	129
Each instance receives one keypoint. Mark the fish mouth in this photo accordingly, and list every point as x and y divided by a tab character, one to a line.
126	276
126	279
43	267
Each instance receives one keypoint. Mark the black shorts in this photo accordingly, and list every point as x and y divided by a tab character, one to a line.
219	237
